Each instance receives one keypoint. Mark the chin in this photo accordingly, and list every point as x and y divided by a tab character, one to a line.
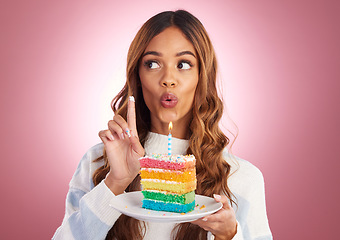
168	116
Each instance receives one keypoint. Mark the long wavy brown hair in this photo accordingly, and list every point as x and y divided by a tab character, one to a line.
206	141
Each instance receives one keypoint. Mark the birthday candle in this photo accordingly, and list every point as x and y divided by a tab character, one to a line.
169	139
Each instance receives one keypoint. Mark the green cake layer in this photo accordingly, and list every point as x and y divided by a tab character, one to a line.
170	197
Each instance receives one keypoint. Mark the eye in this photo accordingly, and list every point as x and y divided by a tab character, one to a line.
184	65
151	64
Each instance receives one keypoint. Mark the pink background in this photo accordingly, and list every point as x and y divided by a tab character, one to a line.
63	61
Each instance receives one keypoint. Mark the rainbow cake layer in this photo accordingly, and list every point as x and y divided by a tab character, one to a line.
168	182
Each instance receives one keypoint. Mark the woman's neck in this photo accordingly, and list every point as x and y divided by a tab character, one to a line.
179	130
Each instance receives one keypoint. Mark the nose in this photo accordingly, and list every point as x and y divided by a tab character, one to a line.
168	79
168	84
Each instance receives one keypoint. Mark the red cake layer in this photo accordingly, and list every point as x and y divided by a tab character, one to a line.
149	162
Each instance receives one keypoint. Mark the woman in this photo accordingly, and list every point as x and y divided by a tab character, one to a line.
171	76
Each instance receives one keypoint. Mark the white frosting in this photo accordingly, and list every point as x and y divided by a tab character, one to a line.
163	181
161	170
171	158
160	181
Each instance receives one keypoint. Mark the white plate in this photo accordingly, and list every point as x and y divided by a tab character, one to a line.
130	204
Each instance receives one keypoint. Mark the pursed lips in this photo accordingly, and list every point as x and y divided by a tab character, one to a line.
169	100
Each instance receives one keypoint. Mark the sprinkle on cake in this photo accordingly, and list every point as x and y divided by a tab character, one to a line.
168	182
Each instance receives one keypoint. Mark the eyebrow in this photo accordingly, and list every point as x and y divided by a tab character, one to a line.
152	53
177	55
185	53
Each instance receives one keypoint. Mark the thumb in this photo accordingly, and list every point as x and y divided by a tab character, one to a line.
222	199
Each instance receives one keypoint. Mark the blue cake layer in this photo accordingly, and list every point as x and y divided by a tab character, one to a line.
168	207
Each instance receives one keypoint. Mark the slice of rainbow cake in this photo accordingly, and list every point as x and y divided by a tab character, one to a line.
168	182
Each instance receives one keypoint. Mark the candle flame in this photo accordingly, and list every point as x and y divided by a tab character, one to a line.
170	126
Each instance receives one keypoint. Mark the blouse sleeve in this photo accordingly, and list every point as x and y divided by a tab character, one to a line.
88	214
246	182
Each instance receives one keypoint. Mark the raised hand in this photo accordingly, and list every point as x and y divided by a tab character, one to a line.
123	149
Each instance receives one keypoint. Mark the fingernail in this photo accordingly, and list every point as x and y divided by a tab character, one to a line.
132	98
217	197
111	137
122	136
128	132
204	219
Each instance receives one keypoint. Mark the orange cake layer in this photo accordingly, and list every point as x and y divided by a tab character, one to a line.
171	175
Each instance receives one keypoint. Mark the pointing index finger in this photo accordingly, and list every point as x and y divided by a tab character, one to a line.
131	114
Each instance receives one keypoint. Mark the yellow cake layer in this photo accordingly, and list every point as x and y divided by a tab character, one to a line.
177	176
169	186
